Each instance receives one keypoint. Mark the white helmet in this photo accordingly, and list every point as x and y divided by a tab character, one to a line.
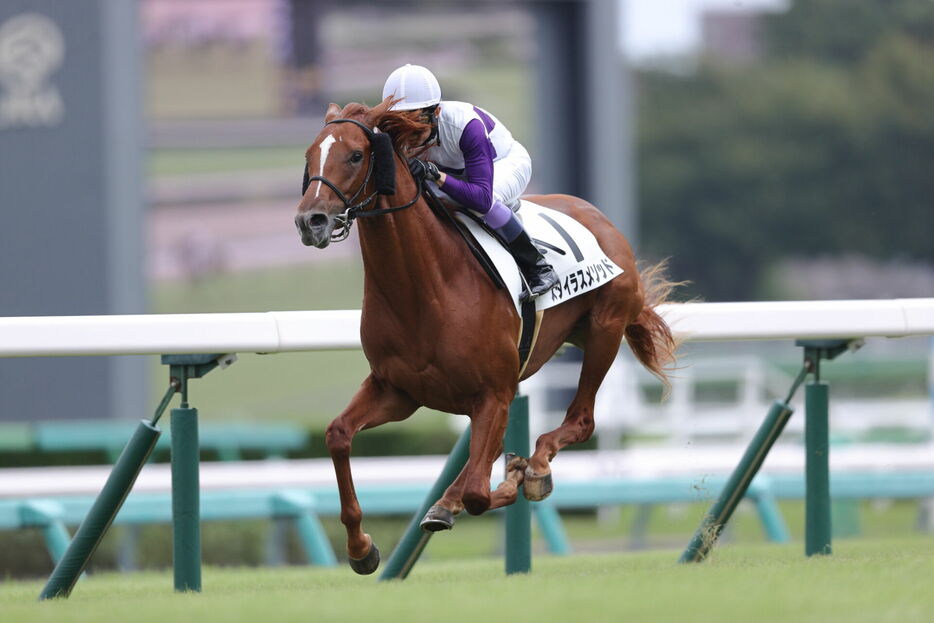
417	87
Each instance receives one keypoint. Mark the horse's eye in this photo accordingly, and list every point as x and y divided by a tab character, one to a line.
356	157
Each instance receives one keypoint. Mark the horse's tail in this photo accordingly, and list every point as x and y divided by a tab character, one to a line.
649	336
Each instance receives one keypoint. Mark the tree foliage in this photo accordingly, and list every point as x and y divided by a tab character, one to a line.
823	146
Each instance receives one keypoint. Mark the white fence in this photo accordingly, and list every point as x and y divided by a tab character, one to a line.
625	405
339	330
273	332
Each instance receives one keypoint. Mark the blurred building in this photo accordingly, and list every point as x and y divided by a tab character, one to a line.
70	205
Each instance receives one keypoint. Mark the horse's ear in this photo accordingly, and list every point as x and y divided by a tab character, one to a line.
332	112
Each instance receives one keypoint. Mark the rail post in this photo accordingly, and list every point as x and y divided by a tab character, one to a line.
735	488
817	518
518	514
817	446
186	540
108	503
186	494
186	498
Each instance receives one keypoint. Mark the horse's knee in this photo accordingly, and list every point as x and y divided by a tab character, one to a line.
476	502
338	439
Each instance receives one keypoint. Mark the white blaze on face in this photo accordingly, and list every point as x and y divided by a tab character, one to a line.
325	147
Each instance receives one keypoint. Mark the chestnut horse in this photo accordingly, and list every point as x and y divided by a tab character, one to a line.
435	329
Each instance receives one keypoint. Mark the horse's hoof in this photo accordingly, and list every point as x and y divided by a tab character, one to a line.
369	563
436	519
515	463
536	488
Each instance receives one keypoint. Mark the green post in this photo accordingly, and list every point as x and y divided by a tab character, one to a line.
186	503
519	514
186	511
817	525
413	542
738	483
817	515
817	457
102	513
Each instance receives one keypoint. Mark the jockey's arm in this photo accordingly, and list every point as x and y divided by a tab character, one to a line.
475	191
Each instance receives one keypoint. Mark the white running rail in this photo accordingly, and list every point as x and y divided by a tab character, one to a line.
273	332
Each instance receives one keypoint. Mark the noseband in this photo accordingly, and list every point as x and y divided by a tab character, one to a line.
380	149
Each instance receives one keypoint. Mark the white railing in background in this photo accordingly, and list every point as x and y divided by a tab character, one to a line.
624	405
273	332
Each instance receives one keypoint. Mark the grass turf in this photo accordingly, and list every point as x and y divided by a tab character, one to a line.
879	580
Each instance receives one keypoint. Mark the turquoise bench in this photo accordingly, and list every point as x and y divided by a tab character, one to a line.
304	506
228	440
301	506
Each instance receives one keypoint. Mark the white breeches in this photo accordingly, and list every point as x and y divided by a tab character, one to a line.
511	175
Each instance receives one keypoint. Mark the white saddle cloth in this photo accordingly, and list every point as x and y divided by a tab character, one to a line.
566	244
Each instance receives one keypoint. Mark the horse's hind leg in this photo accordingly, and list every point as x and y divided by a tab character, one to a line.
471	488
601	343
441	515
375	403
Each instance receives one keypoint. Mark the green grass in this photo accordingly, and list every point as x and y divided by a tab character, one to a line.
873	581
325	284
216	160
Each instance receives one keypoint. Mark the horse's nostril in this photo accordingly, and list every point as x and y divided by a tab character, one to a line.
318	220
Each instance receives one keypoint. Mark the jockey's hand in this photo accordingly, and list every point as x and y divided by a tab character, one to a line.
422	169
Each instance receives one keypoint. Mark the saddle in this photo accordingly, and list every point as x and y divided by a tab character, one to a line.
568	246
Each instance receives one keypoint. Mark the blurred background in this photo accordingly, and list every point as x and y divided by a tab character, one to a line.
150	158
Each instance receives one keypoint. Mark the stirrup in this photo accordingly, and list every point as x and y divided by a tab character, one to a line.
528	294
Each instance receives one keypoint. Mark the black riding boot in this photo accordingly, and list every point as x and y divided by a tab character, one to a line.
538	273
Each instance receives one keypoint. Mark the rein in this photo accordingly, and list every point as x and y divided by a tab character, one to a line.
354	210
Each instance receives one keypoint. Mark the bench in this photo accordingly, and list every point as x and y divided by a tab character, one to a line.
302	507
228	441
303	490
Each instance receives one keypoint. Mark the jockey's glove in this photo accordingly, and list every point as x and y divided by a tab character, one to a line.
422	169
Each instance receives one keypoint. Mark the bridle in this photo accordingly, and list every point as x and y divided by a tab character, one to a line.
380	149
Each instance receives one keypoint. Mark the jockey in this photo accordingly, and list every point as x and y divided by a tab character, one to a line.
475	161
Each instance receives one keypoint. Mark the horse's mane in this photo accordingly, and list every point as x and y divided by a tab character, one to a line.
405	127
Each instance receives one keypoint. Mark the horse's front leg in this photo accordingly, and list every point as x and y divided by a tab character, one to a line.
375	403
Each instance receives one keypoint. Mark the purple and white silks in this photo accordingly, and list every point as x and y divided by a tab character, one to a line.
488	170
473	188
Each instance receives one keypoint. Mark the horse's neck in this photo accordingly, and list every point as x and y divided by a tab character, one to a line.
406	256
